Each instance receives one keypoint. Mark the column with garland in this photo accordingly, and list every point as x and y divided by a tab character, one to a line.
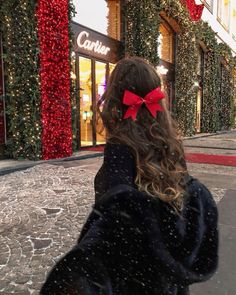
53	33
19	27
36	53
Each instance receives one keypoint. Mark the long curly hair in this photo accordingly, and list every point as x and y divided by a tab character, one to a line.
155	142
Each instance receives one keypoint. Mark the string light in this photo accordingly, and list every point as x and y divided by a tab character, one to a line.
34	103
142	20
215	115
55	78
22	97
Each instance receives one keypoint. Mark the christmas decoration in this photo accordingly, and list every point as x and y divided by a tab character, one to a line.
18	24
227	87
32	117
195	10
134	102
184	105
141	34
55	78
215	99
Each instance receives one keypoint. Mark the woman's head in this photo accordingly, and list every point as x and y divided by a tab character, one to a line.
154	140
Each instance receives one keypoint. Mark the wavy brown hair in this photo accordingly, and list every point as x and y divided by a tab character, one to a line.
155	142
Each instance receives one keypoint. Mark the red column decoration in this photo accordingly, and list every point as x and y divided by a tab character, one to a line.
195	10
53	36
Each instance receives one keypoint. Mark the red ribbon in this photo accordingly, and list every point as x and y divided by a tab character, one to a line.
195	10
134	102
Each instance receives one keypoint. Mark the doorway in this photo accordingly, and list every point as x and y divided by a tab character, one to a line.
199	82
92	75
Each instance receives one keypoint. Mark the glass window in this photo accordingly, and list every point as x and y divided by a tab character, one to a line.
223	13
100	15
166	43
100	86
111	68
86	114
233	20
73	100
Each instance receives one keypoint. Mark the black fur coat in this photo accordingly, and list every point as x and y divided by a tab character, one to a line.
133	244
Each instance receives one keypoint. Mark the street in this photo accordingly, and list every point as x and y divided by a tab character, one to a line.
43	209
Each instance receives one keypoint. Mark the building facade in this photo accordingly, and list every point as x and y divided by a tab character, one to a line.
194	59
97	47
206	42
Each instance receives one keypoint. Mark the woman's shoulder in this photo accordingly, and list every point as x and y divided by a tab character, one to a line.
118	150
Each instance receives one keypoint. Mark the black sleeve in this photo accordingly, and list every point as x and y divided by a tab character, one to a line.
118	168
106	246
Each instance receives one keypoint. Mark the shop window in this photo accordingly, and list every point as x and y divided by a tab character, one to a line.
100	86
223	13
86	110
233	20
199	85
100	15
166	67
166	43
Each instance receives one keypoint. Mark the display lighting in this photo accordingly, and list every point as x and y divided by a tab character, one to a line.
53	36
161	70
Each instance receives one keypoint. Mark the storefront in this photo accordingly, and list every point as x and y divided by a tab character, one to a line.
2	104
93	59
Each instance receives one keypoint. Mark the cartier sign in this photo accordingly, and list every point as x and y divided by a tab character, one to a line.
97	46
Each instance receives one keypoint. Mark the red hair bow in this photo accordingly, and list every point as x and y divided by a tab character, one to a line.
134	102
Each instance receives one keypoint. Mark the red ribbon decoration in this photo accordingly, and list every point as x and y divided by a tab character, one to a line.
134	102
195	10
53	38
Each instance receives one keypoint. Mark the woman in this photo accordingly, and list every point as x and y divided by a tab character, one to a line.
153	228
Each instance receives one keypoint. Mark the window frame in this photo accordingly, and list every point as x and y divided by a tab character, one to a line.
219	19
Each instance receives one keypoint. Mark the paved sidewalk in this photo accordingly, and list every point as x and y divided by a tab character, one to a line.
43	209
224	139
9	165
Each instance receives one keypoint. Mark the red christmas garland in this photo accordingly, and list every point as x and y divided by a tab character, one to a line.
195	10
55	78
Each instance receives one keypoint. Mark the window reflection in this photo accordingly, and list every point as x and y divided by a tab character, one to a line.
85	101
233	22
223	13
166	43
100	72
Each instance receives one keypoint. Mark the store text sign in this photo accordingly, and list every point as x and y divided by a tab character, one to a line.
83	41
96	45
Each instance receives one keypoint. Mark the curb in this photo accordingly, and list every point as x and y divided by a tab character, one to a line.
209	147
9	170
208	135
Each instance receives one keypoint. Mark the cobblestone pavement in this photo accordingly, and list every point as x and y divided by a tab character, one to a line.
42	212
